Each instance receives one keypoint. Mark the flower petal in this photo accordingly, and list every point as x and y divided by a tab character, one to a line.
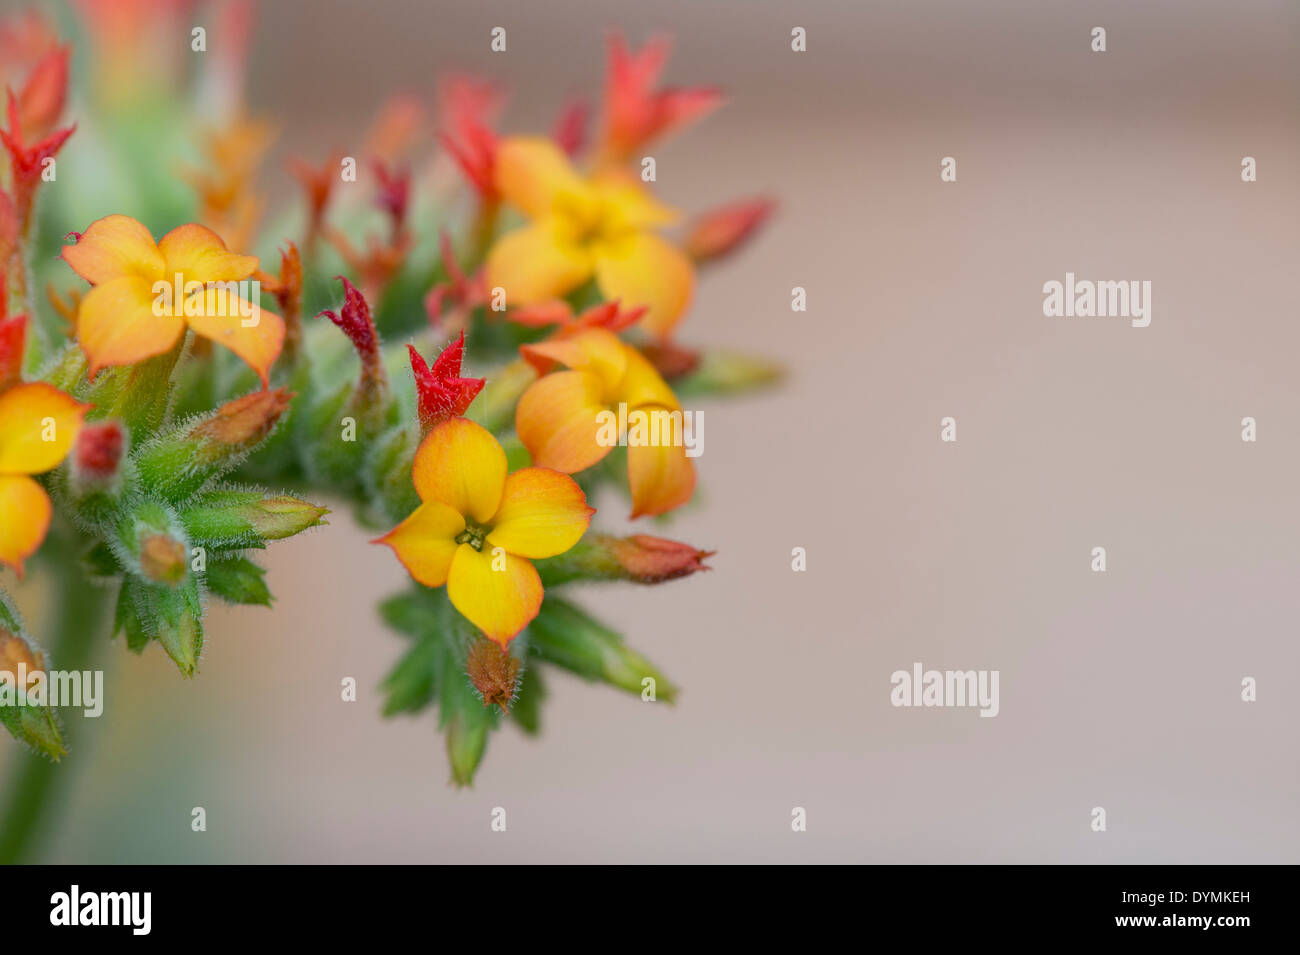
661	477
38	424
531	171
643	385
595	350
630	205
200	255
426	542
117	324
537	263
557	420
222	318
112	248
542	513
642	269
24	518
461	465
498	602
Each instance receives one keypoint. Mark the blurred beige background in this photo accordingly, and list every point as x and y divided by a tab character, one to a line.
1118	690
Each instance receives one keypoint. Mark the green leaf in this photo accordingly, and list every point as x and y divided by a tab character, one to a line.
238	580
567	636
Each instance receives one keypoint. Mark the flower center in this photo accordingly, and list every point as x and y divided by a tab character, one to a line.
474	535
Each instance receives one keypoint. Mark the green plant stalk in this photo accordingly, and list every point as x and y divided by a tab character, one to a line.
33	788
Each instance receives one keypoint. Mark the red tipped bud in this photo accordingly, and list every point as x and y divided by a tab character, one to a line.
97	455
723	230
652	560
442	392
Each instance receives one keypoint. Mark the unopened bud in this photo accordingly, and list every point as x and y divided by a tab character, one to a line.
178	464
641	558
494	673
95	466
723	230
230	518
151	535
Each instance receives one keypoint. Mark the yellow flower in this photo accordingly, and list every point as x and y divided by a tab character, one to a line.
478	527
558	417
146	293
38	424
584	227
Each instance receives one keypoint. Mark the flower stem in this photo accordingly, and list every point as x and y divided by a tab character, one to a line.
34	784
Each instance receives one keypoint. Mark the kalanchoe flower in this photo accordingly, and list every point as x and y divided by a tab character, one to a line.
479	528
494	672
602	227
463	293
468	107
132	314
394	195
38	425
287	289
27	161
442	393
635	112
558	416
356	322
721	231
570	131
318	186
41	101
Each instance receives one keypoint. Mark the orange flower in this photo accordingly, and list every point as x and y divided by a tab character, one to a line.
38	425
132	312
580	228
558	417
479	527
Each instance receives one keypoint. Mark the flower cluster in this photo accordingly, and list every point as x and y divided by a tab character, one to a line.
152	416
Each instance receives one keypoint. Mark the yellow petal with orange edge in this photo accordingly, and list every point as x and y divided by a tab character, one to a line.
596	350
537	263
542	513
200	255
117	324
24	518
426	542
250	331
38	424
643	269
643	385
558	420
661	477
112	248
500	601
531	172
461	465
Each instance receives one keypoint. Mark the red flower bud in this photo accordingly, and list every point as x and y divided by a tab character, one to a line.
723	230
97	455
652	560
442	392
